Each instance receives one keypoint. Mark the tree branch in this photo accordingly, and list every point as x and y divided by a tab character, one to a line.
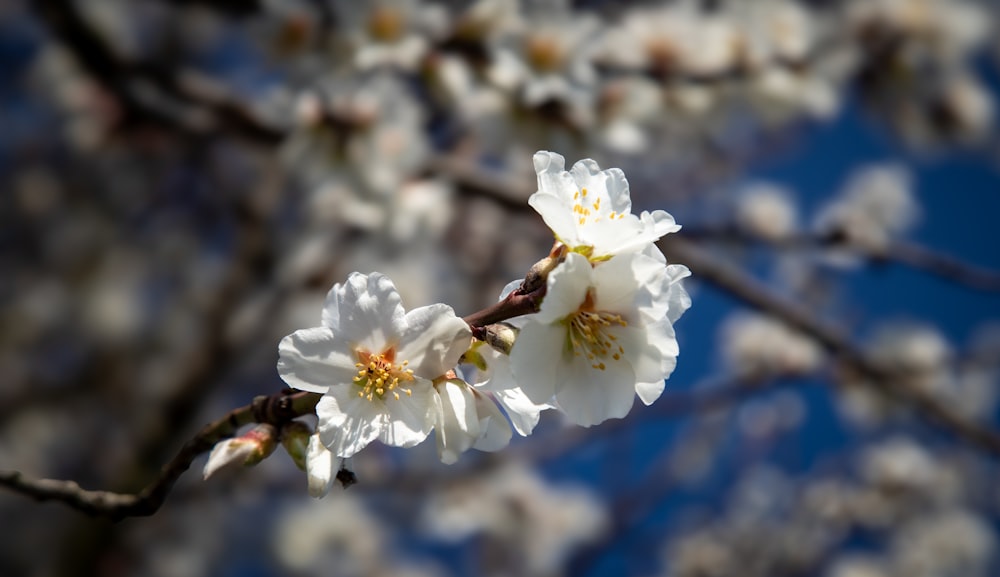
275	409
734	281
909	254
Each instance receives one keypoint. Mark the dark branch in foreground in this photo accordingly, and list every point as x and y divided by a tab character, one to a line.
274	409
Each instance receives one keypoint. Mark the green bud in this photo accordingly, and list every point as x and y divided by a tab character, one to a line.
295	440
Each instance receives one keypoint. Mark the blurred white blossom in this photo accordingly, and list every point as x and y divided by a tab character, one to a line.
766	211
541	523
760	346
876	205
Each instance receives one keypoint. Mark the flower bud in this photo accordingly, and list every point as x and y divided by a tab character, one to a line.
500	336
248	449
295	440
539	272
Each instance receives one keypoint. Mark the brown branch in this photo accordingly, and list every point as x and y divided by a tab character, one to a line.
738	284
944	266
184	101
275	409
703	399
908	254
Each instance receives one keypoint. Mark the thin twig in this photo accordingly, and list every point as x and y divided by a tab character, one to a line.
274	409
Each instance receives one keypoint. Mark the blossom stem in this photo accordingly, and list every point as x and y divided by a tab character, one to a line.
515	305
526	299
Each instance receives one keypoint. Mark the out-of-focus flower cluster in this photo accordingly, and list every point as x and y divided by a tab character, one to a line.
905	510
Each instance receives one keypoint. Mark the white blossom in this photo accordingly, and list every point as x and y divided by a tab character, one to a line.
374	363
540	522
388	32
766	211
876	205
953	542
755	345
673	39
603	335
590	210
548	56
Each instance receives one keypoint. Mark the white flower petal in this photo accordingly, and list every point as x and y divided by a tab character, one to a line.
456	420
409	419
347	423
652	352
649	392
590	396
523	413
535	357
321	467
659	223
557	217
370	311
509	288
610	185
433	340
315	360
629	282
494	431
548	162
678	298
567	288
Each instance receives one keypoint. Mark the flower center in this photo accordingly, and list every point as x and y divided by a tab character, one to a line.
663	56
378	374
588	210
385	24
588	334
543	53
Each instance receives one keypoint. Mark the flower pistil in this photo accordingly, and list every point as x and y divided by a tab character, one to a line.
587	333
378	374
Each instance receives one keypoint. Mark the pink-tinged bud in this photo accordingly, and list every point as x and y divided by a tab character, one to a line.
295	440
248	449
538	274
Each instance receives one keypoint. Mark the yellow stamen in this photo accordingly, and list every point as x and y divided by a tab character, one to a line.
588	333
378	374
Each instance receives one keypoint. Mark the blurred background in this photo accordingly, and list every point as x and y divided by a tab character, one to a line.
183	180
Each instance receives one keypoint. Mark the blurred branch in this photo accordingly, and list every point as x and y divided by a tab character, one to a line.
701	399
274	409
230	7
944	266
738	284
904	253
153	93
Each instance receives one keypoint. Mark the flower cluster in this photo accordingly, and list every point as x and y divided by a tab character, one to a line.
598	333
